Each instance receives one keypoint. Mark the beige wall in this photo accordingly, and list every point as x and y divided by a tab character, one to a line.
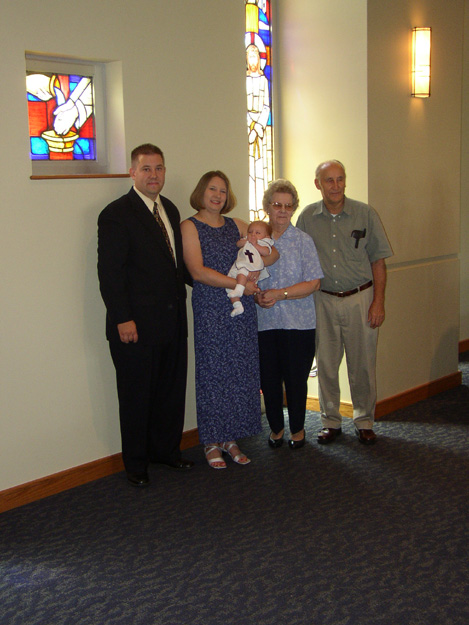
322	104
183	81
414	172
345	93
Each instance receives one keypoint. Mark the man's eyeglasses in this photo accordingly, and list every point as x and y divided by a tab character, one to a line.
279	205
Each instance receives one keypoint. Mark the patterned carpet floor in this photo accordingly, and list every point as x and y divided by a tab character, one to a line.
342	534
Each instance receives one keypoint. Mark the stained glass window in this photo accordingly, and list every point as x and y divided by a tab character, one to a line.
61	116
258	44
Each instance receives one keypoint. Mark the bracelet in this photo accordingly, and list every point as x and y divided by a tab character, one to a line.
285	294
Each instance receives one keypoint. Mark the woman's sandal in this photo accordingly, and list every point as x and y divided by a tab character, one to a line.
239	458
217	462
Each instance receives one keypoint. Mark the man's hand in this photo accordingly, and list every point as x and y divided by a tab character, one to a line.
375	315
127	332
376	310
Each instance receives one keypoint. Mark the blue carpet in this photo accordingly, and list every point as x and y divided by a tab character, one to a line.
342	534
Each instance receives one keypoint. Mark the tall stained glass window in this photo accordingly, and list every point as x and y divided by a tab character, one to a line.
61	116
258	44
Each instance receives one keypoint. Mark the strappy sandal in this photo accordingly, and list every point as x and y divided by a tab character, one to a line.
217	462
239	458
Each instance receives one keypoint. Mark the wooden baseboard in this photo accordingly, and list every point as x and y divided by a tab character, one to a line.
58	482
346	408
402	400
464	346
413	395
53	484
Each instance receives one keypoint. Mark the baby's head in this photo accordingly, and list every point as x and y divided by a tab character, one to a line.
259	230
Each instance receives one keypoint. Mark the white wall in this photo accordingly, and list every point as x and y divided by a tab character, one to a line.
183	80
322	60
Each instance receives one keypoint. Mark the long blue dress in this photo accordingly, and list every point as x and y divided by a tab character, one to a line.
226	350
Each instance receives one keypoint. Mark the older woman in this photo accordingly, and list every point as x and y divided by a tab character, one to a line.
286	317
226	352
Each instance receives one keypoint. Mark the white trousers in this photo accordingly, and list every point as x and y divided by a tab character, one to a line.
342	325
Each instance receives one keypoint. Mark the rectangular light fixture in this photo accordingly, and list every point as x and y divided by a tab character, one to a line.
421	62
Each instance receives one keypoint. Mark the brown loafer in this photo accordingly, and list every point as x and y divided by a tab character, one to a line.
367	437
327	435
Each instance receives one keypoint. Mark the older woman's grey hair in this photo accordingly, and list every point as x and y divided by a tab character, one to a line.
280	186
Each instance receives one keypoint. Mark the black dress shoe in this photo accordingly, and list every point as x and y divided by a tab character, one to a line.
296	444
327	435
178	465
367	437
275	443
138	479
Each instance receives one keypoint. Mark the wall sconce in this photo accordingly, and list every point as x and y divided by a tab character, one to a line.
421	62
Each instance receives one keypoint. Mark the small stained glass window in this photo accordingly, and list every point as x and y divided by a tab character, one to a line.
75	110
258	45
61	116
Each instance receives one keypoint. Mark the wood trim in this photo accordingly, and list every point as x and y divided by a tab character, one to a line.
79	176
413	395
53	484
76	476
401	400
346	408
58	482
464	346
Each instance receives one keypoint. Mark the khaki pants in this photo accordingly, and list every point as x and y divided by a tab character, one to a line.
342	324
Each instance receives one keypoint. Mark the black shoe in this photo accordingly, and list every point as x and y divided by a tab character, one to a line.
275	443
178	465
327	435
367	437
138	479
296	444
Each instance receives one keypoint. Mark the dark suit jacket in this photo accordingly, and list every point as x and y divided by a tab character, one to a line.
137	276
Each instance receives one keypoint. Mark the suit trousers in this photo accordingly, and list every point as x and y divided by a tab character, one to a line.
286	357
342	325
151	388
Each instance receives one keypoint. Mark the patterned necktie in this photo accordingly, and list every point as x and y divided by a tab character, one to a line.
157	216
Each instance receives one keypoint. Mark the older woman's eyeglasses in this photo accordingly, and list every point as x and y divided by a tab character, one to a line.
279	205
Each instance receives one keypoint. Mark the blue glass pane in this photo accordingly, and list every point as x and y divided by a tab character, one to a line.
263	17
265	36
39	146
84	149
39	157
81	148
92	152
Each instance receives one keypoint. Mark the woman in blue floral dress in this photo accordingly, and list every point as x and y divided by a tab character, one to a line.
226	349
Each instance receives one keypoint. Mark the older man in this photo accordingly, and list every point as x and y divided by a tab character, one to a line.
352	246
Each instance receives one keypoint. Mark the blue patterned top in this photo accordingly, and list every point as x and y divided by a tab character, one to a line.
298	262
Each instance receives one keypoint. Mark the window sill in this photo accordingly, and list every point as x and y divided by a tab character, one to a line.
79	176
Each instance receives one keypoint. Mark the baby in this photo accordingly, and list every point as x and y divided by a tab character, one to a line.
258	244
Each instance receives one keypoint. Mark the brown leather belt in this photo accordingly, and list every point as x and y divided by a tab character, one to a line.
352	292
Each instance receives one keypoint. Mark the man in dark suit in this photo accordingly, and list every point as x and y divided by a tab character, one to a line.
141	277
